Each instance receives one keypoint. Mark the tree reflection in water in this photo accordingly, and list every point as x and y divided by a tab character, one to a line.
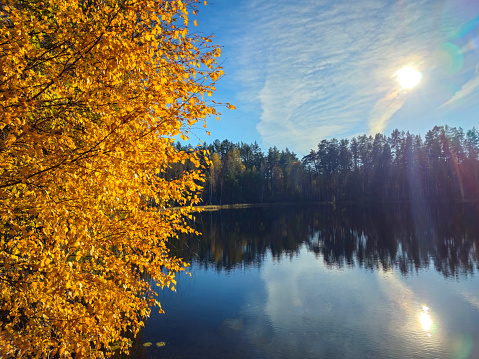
406	237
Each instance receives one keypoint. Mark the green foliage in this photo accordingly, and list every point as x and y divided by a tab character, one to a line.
444	165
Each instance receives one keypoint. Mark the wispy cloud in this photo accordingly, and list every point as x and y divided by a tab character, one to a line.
465	93
320	69
384	109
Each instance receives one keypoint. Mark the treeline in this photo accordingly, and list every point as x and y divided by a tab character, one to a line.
242	173
444	165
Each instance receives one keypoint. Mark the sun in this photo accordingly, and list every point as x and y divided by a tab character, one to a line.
408	77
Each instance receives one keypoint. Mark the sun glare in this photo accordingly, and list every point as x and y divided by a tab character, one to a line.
425	319
408	77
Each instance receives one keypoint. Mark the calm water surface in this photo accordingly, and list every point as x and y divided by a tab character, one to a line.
324	282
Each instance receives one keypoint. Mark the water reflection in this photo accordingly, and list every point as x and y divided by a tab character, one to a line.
425	319
322	282
380	237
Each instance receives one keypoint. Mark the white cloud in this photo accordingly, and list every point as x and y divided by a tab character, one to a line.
320	69
466	92
384	109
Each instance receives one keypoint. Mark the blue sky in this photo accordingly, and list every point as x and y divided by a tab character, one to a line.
302	71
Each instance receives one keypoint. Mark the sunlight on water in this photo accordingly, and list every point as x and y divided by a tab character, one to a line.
425	319
311	284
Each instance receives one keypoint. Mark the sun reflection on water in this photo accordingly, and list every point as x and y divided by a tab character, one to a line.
425	319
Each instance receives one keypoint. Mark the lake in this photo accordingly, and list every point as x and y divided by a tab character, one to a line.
323	282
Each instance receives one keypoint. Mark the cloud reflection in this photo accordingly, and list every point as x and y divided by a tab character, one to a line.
317	312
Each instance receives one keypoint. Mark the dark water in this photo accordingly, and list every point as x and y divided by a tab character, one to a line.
324	282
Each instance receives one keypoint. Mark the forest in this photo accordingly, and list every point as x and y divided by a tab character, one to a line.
441	166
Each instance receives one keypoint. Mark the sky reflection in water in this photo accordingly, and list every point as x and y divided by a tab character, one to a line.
317	283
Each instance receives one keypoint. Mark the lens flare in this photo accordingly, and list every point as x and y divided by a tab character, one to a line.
408	77
451	58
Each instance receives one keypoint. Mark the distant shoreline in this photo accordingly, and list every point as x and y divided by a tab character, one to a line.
217	207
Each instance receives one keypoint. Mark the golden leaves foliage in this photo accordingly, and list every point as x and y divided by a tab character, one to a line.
92	94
